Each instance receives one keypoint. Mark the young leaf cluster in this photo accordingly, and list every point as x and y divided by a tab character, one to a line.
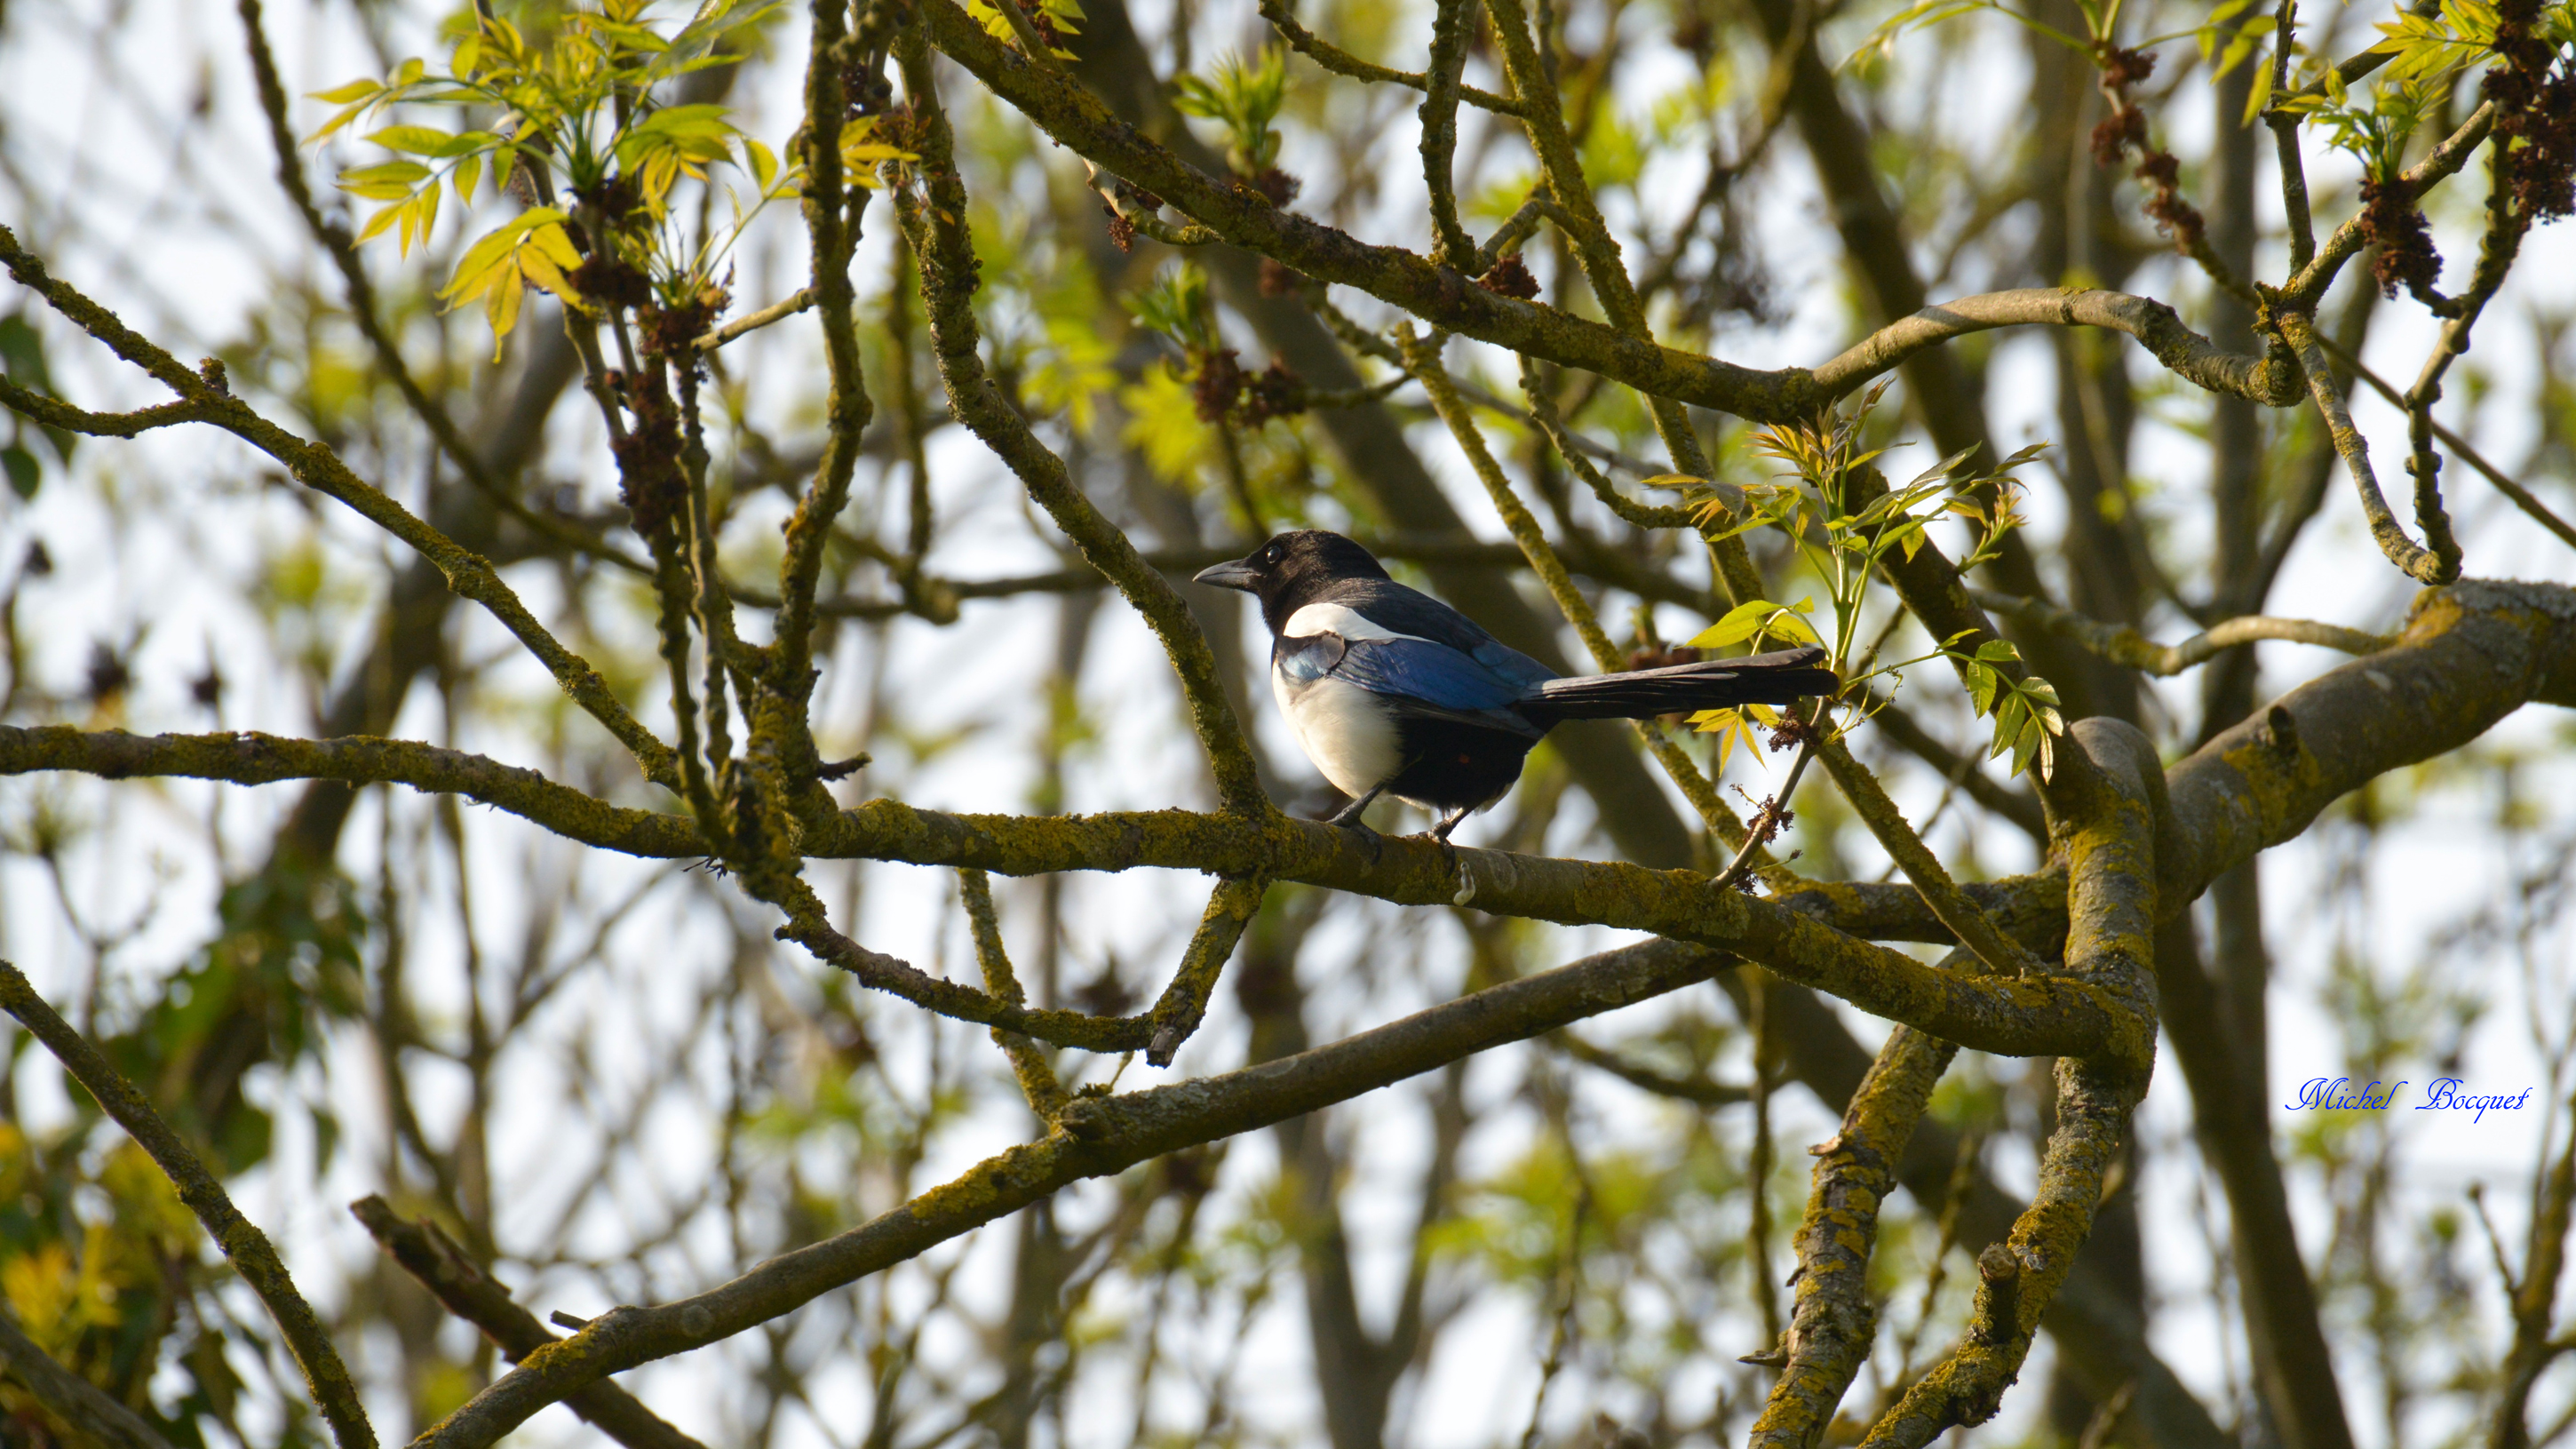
1845	532
2024	711
1245	99
576	106
1052	19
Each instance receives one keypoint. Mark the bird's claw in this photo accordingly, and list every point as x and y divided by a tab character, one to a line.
1368	836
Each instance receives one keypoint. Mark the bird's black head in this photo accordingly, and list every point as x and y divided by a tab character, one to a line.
1293	570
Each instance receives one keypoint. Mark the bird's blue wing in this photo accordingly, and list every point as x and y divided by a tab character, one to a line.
1423	677
1408	611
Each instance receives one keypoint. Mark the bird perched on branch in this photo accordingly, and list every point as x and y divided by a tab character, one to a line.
1391	691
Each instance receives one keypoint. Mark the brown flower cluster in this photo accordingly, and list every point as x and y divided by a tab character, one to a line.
1133	198
2535	89
672	331
2393	223
1277	186
2125	130
1223	389
648	457
1510	277
609	280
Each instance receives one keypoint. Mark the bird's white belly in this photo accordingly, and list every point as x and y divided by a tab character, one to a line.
1342	728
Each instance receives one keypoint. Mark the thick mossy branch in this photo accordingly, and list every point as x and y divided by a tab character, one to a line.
2471	654
2012	1017
1093	1137
2111	834
2272	379
2126	646
257	759
436	1263
243	1244
1834	1324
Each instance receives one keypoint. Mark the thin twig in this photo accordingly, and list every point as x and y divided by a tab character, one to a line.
1341	62
2411	558
2523	498
317	467
1046	1095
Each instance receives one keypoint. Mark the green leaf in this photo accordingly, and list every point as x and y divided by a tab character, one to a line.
356	90
378	223
1998	651
24	472
1739	624
22	354
418	140
1982	680
385	173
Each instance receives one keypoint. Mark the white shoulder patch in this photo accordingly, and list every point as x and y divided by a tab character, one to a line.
1337	619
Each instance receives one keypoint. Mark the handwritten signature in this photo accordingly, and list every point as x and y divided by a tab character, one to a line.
2445	1094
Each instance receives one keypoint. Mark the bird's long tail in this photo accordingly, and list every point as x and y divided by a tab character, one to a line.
1784	677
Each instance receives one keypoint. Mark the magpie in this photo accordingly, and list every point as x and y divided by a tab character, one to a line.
1391	691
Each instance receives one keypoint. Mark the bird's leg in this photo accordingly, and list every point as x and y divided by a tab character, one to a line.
1349	815
1348	818
1440	832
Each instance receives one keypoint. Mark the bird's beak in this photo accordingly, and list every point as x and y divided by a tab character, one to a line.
1236	575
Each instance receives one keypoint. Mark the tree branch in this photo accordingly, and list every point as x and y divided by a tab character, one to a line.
70	1397
936	225
440	1266
248	1249
2273	379
2114	829
1094	1137
1834	1325
317	467
2123	645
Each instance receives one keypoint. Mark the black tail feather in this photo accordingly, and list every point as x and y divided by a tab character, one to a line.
1784	677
